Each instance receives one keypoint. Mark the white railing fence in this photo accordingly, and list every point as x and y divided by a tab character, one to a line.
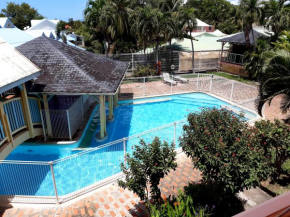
67	178
155	86
64	123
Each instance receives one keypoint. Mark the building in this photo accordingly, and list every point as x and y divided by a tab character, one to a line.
11	34
203	27
232	61
19	113
47	28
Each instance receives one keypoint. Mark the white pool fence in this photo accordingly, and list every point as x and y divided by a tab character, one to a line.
67	178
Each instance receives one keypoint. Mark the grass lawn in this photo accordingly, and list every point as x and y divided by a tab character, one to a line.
225	75
282	185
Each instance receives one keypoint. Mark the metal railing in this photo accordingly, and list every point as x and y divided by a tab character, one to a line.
231	90
56	182
177	61
64	123
34	106
14	111
234	58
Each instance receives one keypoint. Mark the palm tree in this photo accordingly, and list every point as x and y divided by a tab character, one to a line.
122	12
252	12
187	17
276	81
277	15
99	15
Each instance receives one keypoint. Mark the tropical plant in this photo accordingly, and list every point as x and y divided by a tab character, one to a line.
275	137
148	164
252	13
256	58
143	71
275	81
222	147
100	15
180	206
187	16
283	41
277	15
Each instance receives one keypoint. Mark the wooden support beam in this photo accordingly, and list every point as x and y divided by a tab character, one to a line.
47	115
5	123
26	111
102	117
116	99
111	108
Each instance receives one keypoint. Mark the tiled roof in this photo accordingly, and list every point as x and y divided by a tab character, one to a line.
239	38
66	69
14	67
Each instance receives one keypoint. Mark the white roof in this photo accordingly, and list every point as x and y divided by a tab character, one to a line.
15	68
201	23
38	33
218	33
6	23
36	22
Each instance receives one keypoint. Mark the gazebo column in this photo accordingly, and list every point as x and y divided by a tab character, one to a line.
116	99
27	112
47	115
111	108
103	130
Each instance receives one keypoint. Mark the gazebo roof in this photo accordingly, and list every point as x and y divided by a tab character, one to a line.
68	70
239	38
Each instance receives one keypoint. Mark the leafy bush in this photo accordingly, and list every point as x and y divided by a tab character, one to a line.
275	138
180	206
143	71
149	164
224	149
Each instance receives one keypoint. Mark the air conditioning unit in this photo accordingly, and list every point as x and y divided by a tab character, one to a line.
172	67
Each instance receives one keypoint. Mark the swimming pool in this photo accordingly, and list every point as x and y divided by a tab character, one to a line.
75	170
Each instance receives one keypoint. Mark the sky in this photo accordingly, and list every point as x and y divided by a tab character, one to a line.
54	9
60	9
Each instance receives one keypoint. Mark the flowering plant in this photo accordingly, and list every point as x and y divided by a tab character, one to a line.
224	149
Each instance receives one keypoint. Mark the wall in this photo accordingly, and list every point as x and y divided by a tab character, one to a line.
204	29
233	69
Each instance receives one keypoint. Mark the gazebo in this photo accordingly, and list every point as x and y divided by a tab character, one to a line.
232	61
68	71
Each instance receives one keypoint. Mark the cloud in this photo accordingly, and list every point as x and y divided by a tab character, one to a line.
235	2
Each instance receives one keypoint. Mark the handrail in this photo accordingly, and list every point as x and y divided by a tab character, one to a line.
11	100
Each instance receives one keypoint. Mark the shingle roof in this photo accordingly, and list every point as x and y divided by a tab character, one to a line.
239	38
66	69
14	67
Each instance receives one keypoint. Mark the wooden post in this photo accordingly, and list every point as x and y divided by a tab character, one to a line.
102	117
116	99
26	111
111	108
47	115
5	123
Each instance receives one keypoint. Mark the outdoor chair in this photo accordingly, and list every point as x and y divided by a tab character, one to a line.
181	79
167	79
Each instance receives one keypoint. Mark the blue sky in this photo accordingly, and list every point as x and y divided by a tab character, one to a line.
60	9
54	9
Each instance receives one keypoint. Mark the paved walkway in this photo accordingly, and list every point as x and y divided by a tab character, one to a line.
111	200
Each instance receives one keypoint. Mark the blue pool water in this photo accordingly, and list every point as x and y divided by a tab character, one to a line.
75	172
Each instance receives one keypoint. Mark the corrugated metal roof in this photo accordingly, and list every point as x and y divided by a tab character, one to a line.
66	69
239	38
14	36
14	66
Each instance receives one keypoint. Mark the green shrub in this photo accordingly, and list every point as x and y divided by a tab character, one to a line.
180	206
149	164
224	149
275	138
143	71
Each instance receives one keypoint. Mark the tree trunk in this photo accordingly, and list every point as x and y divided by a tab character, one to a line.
170	58
253	37
247	38
157	66
192	48
105	44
